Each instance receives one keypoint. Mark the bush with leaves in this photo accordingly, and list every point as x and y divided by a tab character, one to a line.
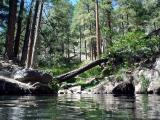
133	47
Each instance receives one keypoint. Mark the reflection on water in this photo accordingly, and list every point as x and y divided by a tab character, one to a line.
79	107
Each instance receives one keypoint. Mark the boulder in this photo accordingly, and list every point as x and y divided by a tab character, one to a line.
10	86
154	87
75	89
33	76
124	88
5	73
40	88
138	89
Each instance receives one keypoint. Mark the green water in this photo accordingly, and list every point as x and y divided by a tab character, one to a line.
79	107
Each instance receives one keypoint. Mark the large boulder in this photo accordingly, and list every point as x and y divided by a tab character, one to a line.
33	76
138	89
10	86
40	89
124	88
154	87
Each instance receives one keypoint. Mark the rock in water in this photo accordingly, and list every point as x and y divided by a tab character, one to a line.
10	86
154	87
124	88
33	76
75	89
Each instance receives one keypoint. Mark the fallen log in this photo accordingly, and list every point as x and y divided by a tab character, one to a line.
72	74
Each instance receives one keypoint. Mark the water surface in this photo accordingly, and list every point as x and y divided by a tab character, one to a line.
79	107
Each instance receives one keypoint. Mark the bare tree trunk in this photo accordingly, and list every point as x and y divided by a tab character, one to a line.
109	23
34	34
17	39
68	52
92	49
95	52
80	44
37	46
27	35
85	45
11	29
97	31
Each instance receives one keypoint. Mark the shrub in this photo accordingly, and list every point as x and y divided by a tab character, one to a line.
144	83
133	48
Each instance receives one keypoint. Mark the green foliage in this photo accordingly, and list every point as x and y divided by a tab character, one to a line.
82	82
2	41
144	83
64	67
94	72
54	86
133	48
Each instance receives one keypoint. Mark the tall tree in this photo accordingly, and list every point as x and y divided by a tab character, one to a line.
27	34
11	28
34	33
97	31
19	26
80	44
106	22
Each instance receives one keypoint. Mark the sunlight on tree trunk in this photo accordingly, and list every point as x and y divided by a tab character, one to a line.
34	34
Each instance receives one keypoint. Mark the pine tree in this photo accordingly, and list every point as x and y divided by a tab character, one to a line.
11	29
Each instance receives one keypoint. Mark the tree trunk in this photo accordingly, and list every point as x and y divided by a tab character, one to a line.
80	44
97	31
34	34
27	34
68	52
92	49
95	51
122	25
85	44
11	28
63	52
37	46
17	39
108	11
72	74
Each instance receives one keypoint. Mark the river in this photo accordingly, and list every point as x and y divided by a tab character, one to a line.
79	107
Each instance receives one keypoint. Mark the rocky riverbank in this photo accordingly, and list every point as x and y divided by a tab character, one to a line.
140	80
17	80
